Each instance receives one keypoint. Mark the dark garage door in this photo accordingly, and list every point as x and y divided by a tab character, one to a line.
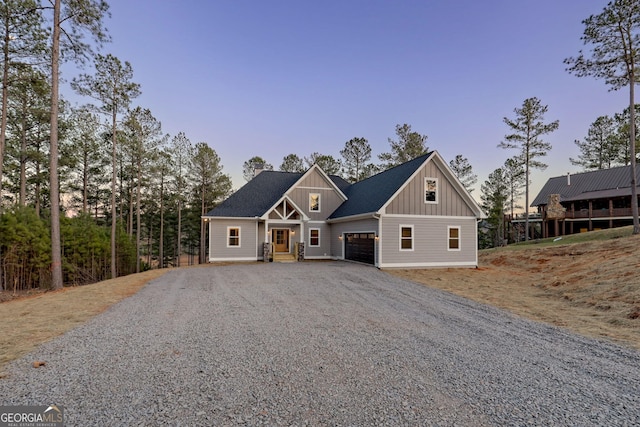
360	247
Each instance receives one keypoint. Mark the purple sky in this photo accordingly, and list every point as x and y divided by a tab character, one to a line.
270	78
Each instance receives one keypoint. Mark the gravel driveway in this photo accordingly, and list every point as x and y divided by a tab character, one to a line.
324	343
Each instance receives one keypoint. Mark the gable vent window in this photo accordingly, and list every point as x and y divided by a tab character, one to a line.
314	202
431	190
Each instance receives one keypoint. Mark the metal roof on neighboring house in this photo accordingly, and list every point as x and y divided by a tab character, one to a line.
591	185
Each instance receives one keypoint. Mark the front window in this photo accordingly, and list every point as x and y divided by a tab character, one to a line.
454	238
314	202
431	190
233	237
406	237
314	237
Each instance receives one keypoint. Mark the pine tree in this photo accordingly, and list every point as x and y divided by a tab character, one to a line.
408	146
292	163
527	129
113	88
464	172
355	154
614	35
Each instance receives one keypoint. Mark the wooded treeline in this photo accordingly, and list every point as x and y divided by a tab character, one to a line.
129	196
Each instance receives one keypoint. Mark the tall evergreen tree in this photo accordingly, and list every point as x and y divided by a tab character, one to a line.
494	197
83	17
614	35
599	149
23	43
113	87
292	163
464	172
514	180
327	163
408	146
88	156
212	186
143	134
527	130
29	98
355	155
249	167
181	152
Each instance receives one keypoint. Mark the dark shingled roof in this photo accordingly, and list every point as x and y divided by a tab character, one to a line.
263	191
588	185
370	194
256	196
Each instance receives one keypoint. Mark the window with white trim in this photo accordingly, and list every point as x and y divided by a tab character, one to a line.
406	237
453	238
431	190
233	237
314	202
314	237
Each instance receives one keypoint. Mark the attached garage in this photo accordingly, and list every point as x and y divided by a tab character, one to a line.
360	247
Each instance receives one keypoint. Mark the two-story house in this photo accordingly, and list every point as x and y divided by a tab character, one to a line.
417	214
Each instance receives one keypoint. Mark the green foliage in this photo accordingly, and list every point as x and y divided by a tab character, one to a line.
600	147
464	172
256	162
85	250
527	129
408	146
327	163
614	36
125	252
494	196
355	154
292	163
25	247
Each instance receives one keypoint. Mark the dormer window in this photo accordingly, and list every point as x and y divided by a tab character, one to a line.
314	202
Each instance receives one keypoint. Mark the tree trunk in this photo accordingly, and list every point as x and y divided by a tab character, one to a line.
632	154
23	157
138	219
113	193
5	101
201	256
161	245
179	232
56	255
85	181
3	123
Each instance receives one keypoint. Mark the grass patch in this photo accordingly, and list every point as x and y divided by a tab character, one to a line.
32	320
588	283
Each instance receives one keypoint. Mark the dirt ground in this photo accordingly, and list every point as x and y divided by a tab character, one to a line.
592	288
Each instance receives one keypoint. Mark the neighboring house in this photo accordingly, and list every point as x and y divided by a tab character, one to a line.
416	214
586	201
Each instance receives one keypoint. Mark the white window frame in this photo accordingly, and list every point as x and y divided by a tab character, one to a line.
319	202
310	240
401	239
233	227
430	202
459	228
